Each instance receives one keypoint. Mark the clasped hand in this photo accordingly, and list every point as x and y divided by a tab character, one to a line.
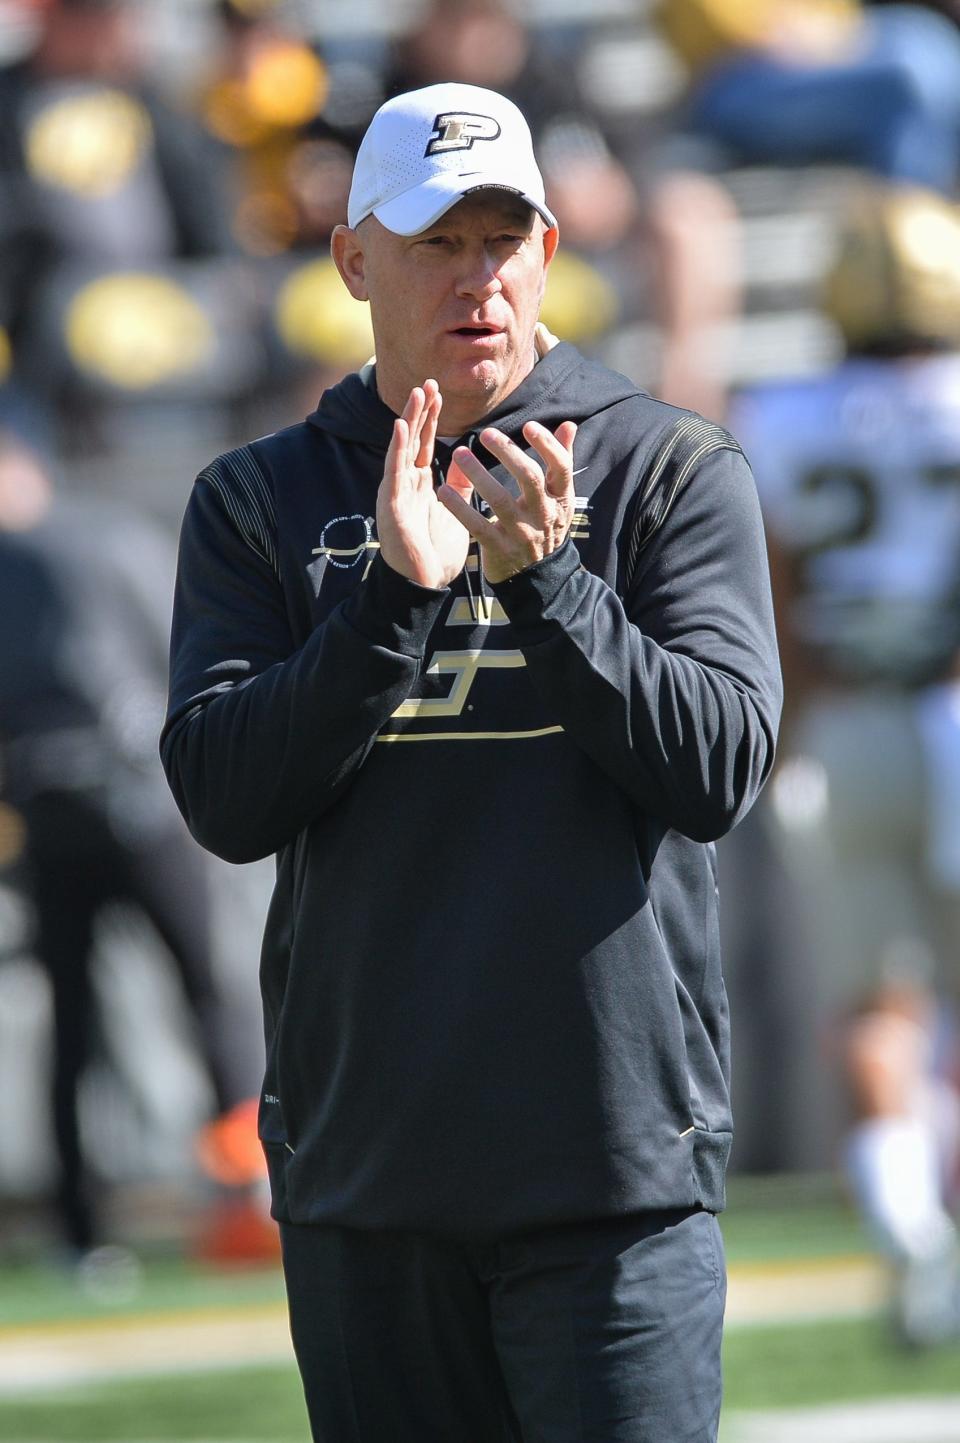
424	533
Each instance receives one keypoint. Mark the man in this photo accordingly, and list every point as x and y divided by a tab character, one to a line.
667	239
489	735
82	660
858	471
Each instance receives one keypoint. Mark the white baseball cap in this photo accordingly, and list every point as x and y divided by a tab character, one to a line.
424	150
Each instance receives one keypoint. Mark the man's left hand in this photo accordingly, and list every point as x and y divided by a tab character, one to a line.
524	528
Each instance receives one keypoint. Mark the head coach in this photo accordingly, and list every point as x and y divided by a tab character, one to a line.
483	650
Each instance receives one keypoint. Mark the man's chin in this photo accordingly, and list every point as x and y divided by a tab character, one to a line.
478	387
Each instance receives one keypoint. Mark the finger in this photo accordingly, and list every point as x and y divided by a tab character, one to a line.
566	434
414	406
428	424
412	413
522	467
478	526
497	497
395	451
556	452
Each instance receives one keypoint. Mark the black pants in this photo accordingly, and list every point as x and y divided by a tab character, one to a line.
589	1333
75	865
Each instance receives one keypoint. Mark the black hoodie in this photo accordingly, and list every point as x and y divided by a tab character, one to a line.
490	972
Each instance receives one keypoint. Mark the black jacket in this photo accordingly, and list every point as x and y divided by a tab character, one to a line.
491	971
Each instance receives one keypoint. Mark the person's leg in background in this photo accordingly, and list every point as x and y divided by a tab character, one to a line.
903	1152
893	1156
67	888
876	952
168	879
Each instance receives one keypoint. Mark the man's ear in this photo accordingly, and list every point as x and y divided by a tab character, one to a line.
346	249
550	239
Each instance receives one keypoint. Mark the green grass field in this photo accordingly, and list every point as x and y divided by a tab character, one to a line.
767	1367
251	1406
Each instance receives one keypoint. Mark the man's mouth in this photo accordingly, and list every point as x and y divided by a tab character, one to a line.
477	332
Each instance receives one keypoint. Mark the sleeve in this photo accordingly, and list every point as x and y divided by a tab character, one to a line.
675	691
262	737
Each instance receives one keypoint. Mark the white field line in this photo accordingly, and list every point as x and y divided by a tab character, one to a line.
805	1292
37	1357
895	1420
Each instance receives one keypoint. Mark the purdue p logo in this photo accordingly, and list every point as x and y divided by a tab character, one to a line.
458	129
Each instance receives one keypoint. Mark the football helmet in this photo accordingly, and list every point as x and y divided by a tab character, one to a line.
894	281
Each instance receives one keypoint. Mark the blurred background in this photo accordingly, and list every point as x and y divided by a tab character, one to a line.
757	204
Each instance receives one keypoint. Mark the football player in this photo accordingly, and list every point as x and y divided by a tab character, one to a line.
859	475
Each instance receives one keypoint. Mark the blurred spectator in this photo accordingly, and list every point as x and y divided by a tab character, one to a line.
84	592
667	243
265	100
97	174
103	168
795	81
318	323
859	475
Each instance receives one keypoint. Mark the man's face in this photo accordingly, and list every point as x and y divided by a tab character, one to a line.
458	302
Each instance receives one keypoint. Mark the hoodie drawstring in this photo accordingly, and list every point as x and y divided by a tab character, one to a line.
479	601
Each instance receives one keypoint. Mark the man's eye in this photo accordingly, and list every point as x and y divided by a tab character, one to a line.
435	240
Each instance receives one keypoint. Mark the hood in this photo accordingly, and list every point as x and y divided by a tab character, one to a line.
563	386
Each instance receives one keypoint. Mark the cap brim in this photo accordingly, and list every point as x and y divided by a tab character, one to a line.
422	206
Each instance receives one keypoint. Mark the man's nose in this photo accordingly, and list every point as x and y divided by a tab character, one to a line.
479	279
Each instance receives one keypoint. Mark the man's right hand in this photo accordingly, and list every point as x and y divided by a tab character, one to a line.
418	535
